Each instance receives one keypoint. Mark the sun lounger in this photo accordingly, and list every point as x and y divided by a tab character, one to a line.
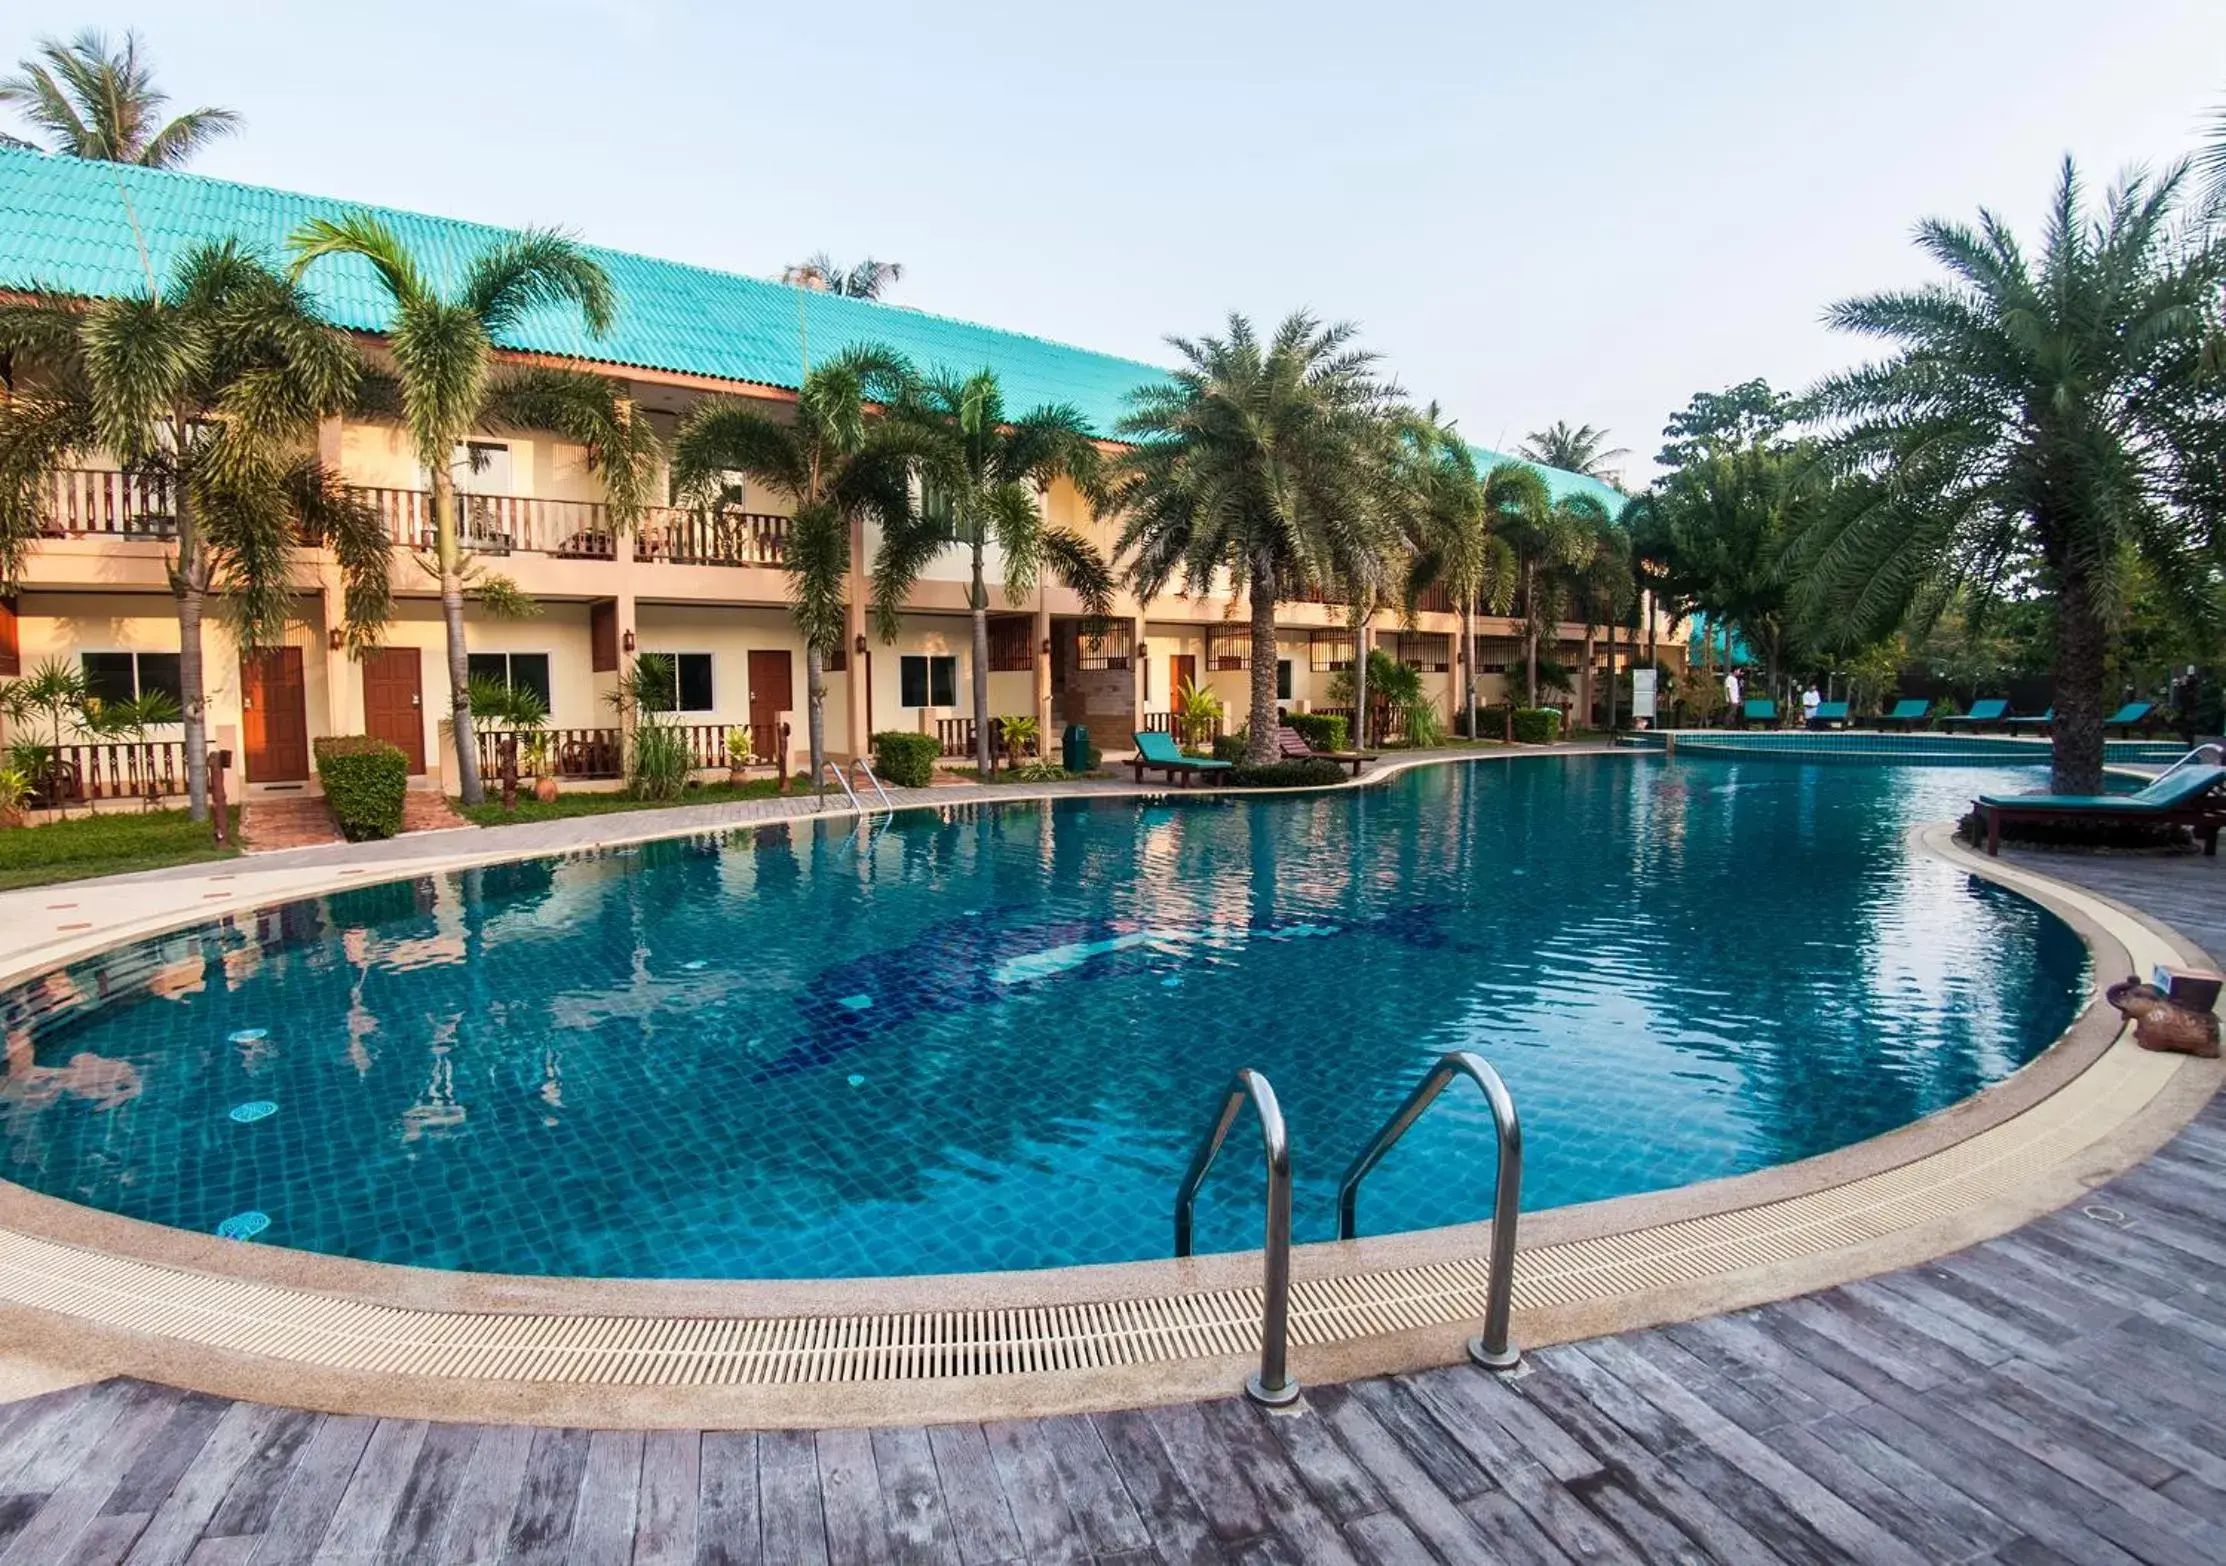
1759	709
1908	712
1992	710
2041	722
2133	715
1829	714
1160	753
2189	796
1292	744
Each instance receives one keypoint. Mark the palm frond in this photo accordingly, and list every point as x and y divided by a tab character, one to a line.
533	269
594	411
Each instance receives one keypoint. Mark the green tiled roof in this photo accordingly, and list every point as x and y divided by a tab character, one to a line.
67	224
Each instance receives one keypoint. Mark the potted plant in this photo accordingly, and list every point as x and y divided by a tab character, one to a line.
1197	710
535	750
1021	736
738	754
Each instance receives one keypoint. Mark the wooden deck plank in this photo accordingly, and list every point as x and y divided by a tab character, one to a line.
313	1489
247	1433
610	1488
728	1528
1093	1488
920	1532
158	1465
1304	1531
982	1524
1231	1501
52	1534
790	1512
1164	1506
851	1504
1427	1507
258	1483
479	1520
665	1512
422	1510
366	1509
1030	1480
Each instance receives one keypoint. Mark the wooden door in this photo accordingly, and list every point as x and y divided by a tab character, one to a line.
1182	669
772	689
274	717
394	702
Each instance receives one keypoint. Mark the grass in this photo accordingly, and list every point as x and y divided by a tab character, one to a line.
565	806
108	844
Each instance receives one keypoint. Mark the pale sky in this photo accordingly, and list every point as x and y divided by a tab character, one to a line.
1533	211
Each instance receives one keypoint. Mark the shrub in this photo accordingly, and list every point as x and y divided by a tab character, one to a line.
1323	731
364	780
1039	772
905	760
1537	725
1230	747
1285	774
658	765
1425	725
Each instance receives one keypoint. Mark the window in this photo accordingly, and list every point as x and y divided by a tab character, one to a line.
481	467
1228	649
937	510
1429	651
1111	648
1282	679
691	682
123	676
1327	652
1009	649
928	682
514	671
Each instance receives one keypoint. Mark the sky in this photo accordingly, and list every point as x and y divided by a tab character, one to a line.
1533	212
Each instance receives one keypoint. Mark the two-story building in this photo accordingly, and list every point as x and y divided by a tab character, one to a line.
706	588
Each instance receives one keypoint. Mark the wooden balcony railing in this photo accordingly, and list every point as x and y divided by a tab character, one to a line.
123	769
582	529
1200	734
104	502
573	753
712	538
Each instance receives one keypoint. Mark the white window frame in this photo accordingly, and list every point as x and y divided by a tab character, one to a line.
138	686
711	663
508	653
928	683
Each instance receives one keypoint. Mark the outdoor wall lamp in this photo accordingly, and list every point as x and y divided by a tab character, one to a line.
626	642
1047	647
333	640
860	644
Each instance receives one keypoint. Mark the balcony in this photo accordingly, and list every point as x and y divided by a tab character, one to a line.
582	529
104	503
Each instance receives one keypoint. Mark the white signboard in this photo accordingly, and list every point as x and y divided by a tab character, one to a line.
1642	694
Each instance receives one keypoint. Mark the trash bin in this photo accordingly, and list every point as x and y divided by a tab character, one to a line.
1075	748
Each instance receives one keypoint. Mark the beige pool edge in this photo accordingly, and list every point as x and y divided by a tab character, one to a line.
105	1295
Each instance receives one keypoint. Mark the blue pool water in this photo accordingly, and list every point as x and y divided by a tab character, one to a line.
991	1037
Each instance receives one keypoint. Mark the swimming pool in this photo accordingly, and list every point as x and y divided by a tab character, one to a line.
989	1036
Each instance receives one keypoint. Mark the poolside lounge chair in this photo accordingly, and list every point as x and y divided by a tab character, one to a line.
1828	715
1160	753
1759	709
1293	747
2189	796
2041	723
1908	712
2133	715
1993	710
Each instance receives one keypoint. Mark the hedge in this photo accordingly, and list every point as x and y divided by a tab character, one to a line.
1323	731
906	760
1537	725
1283	774
365	780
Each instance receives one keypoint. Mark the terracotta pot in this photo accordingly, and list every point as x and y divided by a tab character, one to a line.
545	790
10	818
738	775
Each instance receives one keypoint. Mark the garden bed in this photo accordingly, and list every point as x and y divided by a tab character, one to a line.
111	843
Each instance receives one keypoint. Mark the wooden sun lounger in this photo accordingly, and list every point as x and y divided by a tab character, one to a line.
1293	747
1993	710
1160	753
2192	797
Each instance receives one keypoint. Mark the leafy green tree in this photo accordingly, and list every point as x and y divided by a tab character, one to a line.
838	464
1551	544
1263	465
210	392
96	100
1575	449
1453	519
1605	587
447	386
2040	421
985	476
1714	423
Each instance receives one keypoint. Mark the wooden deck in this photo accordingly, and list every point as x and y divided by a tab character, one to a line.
2058	1395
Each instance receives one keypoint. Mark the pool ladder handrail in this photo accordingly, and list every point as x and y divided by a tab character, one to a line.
1272	1386
860	766
828	764
2207	748
1490	1347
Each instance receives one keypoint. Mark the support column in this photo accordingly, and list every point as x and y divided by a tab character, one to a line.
343	682
1039	643
626	623
858	680
1584	680
1136	675
1364	635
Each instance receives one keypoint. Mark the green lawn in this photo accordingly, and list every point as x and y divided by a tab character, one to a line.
71	849
531	809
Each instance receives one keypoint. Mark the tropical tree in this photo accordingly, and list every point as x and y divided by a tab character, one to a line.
1451	537
442	344
210	392
838	465
97	100
869	279
983	478
1550	543
2040	422
1262	465
1574	449
1605	586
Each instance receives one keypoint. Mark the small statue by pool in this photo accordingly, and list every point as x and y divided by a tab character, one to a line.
2162	1024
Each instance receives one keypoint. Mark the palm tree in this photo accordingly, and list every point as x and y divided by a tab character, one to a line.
210	392
1550	543
1574	450
1606	589
443	347
984	479
869	279
2040	423
1262	465
837	465
1451	534
98	101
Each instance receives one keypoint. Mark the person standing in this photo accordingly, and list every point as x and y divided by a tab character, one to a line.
1732	714
1811	699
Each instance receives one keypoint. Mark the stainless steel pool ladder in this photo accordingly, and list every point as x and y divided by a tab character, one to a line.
1490	1347
858	766
2210	748
1273	1385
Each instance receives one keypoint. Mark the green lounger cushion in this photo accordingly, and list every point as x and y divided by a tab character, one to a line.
1989	711
1760	709
2042	721
1160	750
2181	788
2128	715
1909	709
1831	711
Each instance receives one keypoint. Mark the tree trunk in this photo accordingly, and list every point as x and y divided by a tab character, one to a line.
1530	634
1612	692
189	583
1468	660
1360	683
1260	747
2081	643
815	712
979	600
450	556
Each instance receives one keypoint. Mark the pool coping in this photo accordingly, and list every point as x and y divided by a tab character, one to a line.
589	1351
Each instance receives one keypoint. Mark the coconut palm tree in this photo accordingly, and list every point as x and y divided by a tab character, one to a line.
1605	584
1550	543
210	392
443	347
1262	466
95	100
2040	421
837	464
1575	450
1451	533
869	279
984	478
